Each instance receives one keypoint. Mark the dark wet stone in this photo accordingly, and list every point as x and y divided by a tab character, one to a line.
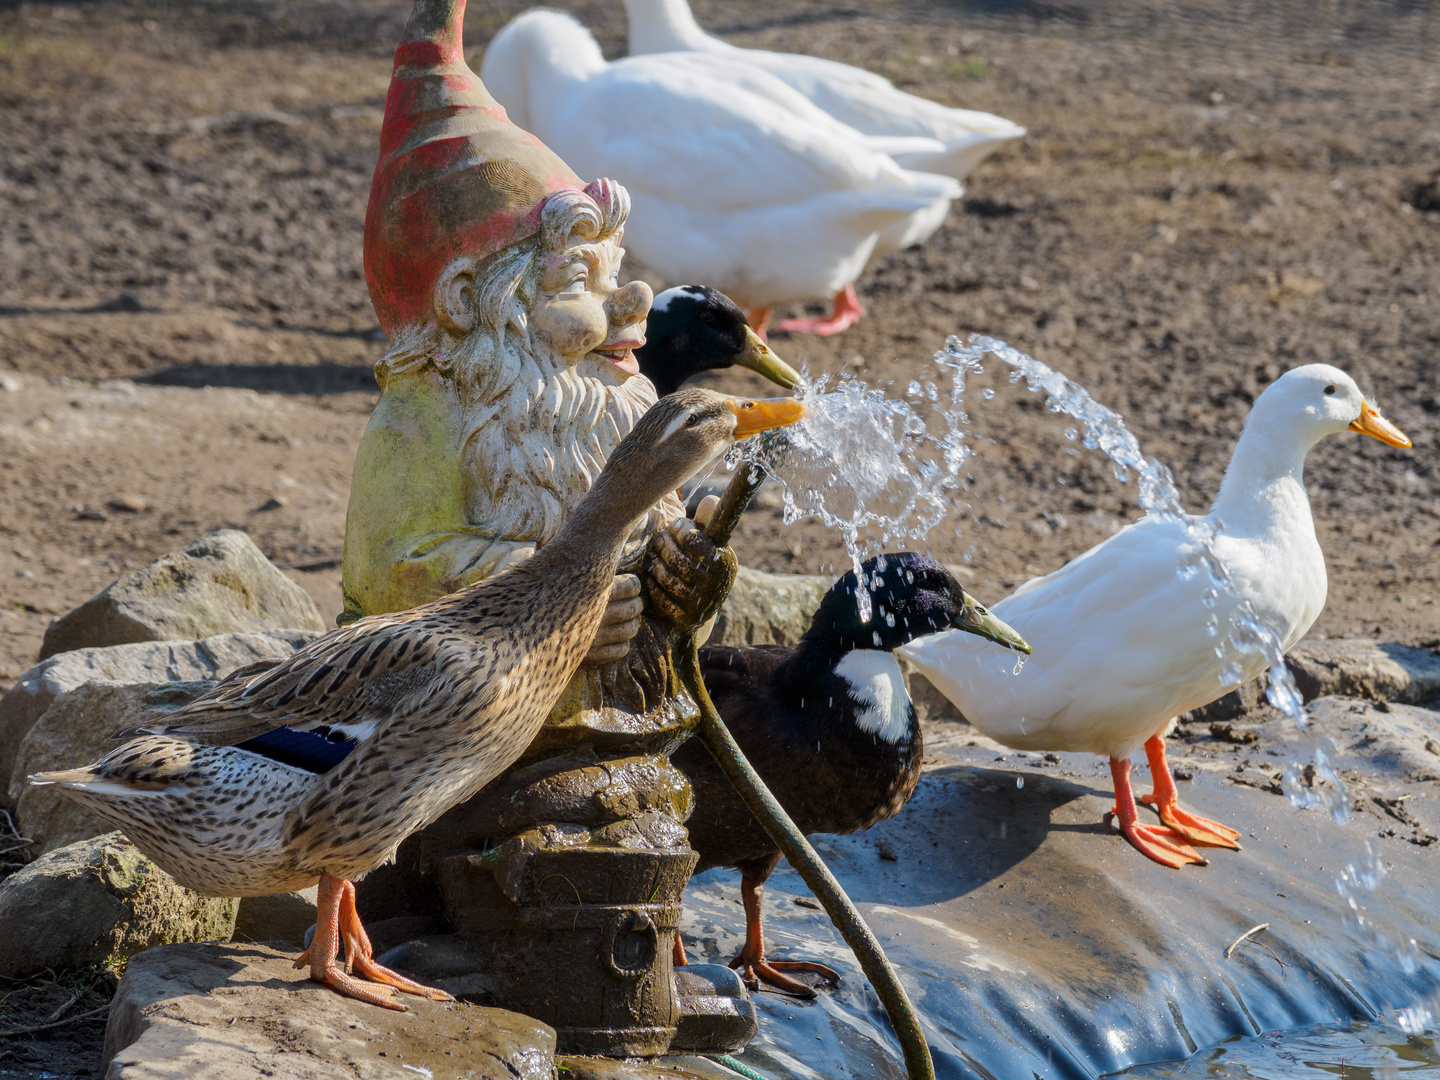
716	1013
443	960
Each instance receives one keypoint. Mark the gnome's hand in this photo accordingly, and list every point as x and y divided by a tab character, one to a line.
620	623
687	576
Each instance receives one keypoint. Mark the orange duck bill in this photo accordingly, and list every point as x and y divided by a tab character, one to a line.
1371	423
756	415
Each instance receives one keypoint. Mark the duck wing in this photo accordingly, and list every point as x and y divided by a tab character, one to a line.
671	125
344	685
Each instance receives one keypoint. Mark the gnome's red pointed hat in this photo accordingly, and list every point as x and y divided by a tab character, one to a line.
455	176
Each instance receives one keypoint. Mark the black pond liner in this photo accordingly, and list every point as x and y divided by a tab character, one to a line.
1036	944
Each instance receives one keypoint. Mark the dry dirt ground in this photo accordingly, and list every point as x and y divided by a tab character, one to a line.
1209	195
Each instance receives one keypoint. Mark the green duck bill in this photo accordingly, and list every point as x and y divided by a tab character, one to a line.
977	619
761	359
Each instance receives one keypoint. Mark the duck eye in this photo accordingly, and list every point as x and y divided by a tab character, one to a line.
707	316
692	420
1330	389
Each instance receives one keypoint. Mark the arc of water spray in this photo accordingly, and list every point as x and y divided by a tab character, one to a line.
768	811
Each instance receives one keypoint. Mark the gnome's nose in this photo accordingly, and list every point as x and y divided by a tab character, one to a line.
629	303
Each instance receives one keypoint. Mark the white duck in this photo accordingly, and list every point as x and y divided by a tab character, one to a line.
740	183
861	99
1119	635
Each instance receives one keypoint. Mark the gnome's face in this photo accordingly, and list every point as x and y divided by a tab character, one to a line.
580	310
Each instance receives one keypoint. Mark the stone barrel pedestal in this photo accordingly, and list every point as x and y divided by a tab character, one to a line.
577	937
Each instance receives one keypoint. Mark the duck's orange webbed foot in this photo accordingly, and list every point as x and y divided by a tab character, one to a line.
1164	845
754	968
1165	800
376	985
360	955
1158	842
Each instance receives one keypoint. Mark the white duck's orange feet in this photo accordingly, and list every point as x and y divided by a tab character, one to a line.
1158	842
845	313
1165	800
1193	827
1164	845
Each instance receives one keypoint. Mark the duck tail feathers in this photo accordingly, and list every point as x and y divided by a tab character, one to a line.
63	777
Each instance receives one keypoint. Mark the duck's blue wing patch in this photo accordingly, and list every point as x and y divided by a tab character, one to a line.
316	751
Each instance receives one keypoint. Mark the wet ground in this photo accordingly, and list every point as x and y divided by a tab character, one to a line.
1206	198
1035	942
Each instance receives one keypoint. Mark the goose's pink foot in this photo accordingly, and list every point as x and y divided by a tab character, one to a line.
845	314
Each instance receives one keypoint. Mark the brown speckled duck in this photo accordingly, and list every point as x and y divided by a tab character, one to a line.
317	767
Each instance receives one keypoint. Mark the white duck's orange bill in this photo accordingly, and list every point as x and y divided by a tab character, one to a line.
1377	427
752	416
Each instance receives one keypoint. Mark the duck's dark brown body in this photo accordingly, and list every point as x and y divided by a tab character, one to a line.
830	777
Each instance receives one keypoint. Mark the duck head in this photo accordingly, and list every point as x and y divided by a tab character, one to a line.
694	328
678	437
1318	400
911	595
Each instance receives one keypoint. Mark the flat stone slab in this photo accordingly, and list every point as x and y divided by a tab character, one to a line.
242	1012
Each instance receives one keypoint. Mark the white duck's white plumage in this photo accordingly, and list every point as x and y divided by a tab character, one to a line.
738	182
1119	634
865	101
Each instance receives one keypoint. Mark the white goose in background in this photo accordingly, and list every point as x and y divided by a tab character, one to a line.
1119	635
742	184
861	99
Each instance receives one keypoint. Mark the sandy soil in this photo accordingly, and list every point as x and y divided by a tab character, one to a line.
1203	201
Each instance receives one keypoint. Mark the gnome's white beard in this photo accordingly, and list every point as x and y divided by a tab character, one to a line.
537	433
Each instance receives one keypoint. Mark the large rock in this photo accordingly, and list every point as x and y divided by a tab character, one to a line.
218	584
99	902
768	609
242	1012
277	917
1379	671
76	730
147	662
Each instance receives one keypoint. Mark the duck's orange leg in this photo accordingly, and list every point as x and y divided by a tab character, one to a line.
360	955
325	945
1164	845
677	952
759	319
845	313
1165	799
335	914
754	968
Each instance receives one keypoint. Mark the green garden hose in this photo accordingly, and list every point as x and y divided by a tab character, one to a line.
782	830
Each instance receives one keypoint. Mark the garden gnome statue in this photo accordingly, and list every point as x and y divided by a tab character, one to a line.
507	382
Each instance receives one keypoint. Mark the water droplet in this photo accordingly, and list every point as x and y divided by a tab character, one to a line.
1019	781
988	394
1071	434
877	639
